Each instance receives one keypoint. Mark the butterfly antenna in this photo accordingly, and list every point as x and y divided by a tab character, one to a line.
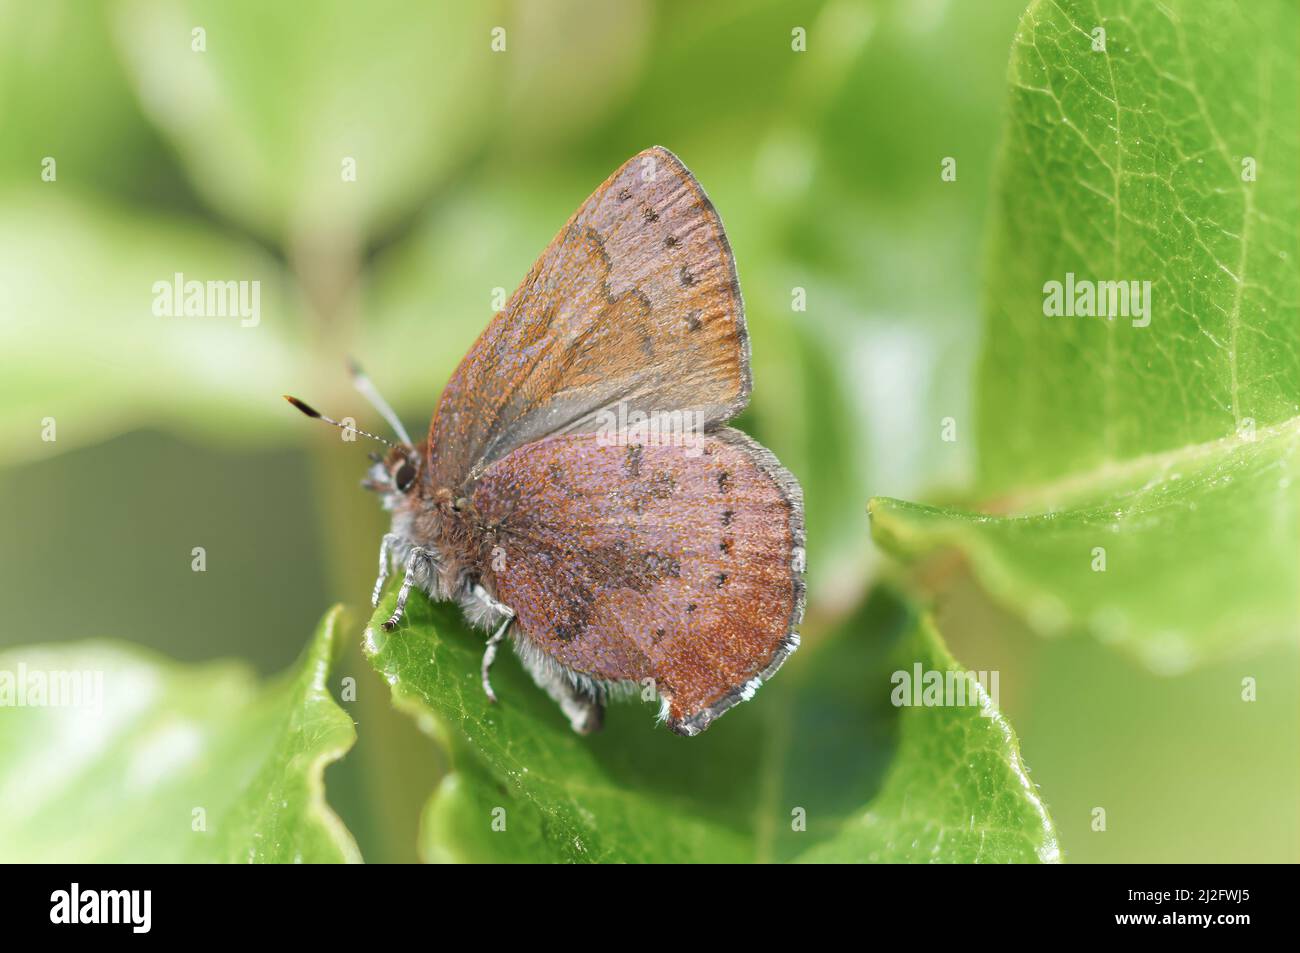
368	390
311	411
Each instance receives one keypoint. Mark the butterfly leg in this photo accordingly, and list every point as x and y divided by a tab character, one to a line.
490	652
586	713
385	562
418	555
490	655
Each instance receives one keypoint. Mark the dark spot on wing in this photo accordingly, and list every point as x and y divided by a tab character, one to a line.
560	482
620	566
663	486
693	321
727	516
596	239
687	277
724	481
632	461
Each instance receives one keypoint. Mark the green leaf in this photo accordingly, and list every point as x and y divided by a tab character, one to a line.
1176	557
266	113
1128	165
174	764
957	790
66	98
93	354
822	741
1139	478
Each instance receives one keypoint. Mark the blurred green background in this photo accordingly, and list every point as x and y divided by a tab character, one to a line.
225	164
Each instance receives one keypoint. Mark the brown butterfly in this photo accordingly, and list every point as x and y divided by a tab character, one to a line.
579	488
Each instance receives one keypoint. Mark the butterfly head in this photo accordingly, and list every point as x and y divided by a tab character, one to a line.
396	474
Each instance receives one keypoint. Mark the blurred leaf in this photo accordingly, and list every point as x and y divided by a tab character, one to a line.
689	90
545	107
435	290
1164	756
1169	445
822	741
64	95
264	117
926	81
122	782
82	341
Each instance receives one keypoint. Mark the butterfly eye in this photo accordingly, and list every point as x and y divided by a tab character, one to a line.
404	477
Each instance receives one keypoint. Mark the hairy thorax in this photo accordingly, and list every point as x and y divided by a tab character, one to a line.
438	520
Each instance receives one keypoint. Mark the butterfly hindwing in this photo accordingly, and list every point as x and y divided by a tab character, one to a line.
679	564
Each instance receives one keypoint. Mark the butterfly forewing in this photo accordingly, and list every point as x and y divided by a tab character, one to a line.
634	302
